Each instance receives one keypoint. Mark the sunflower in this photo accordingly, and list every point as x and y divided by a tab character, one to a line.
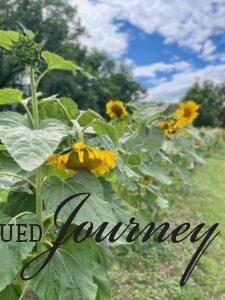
147	180
83	157
116	109
187	113
170	128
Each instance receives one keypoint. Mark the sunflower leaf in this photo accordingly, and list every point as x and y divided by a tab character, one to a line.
13	253
30	148
57	62
95	209
103	128
8	96
7	38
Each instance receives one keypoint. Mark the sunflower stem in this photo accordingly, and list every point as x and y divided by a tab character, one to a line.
78	129
38	170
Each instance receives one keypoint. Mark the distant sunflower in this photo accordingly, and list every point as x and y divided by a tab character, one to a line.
147	180
116	109
83	157
170	128
187	113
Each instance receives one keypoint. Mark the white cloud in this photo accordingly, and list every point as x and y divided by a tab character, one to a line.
190	23
150	71
103	33
172	90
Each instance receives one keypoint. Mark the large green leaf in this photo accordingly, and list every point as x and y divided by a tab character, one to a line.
9	293
151	138
7	38
52	109
103	128
104	291
8	96
56	62
95	209
157	172
30	148
87	117
13	253
69	274
18	203
9	166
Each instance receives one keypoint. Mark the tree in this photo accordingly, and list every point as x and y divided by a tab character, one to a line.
210	97
58	27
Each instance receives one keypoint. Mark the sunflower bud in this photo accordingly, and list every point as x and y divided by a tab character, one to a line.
27	51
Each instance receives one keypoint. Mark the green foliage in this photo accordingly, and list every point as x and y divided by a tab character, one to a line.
69	278
132	177
57	109
30	148
55	32
10	96
97	210
56	62
7	38
14	253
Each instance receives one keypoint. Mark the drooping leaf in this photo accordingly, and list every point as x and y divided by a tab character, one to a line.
95	209
30	148
8	96
52	109
103	128
13	252
7	38
57	62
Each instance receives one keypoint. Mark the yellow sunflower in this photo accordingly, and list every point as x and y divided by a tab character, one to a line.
187	113
83	157
147	180
170	128
116	109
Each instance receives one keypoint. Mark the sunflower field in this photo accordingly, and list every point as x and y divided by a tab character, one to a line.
129	162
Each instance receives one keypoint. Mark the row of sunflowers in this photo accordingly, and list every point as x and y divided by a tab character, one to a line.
129	163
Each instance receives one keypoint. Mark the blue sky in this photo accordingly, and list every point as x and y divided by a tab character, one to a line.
167	44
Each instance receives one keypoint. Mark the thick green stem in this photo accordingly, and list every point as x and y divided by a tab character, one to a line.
38	170
34	99
78	130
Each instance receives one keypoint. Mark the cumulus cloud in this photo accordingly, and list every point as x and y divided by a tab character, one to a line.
102	32
150	71
172	90
189	23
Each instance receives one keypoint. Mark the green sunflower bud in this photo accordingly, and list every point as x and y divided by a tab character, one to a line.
27	51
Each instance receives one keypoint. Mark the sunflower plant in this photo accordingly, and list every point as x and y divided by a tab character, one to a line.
53	150
48	153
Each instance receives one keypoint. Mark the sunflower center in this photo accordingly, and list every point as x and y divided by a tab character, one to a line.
187	113
117	110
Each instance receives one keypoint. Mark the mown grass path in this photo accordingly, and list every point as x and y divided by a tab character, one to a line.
156	274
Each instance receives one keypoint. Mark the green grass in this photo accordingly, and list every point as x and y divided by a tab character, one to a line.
155	275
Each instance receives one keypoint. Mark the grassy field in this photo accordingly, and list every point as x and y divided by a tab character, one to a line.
155	275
